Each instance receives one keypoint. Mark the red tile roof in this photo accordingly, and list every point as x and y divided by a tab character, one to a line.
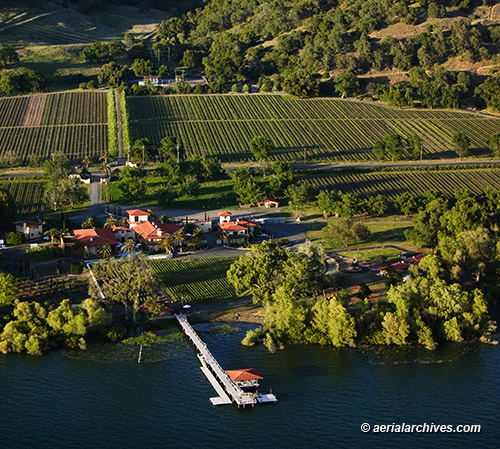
96	237
232	226
120	228
269	199
245	223
137	212
149	230
224	214
244	374
28	223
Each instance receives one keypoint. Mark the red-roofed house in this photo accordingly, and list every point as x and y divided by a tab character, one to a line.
268	202
151	233
31	229
245	377
225	217
237	231
93	239
137	216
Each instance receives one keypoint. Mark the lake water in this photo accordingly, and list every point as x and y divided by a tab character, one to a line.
101	398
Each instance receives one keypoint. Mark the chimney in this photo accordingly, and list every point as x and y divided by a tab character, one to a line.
159	232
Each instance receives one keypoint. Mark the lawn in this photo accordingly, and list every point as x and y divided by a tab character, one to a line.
196	280
384	231
211	195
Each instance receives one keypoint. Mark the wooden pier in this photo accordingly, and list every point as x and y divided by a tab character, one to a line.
225	387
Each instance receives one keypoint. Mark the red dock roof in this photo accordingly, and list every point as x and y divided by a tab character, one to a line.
240	375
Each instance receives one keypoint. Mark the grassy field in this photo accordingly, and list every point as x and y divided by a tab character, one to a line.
392	183
212	195
196	280
49	37
326	129
384	231
71	122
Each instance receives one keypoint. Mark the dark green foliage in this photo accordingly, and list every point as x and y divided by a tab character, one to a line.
347	84
390	148
168	148
261	146
281	180
96	52
300	194
113	74
8	55
461	144
19	81
43	253
142	67
15	238
301	84
91	222
245	187
76	268
347	231
494	144
490	92
138	51
34	328
8	209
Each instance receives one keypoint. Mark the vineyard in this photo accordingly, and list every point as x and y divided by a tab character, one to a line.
28	196
196	280
327	129
392	184
72	122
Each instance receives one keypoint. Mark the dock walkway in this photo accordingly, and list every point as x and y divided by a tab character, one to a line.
214	372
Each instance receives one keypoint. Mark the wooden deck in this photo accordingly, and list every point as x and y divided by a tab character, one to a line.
214	372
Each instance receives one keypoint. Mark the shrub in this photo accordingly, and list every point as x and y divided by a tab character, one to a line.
15	238
44	253
76	268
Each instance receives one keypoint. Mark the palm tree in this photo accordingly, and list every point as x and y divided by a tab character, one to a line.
129	247
167	244
106	159
124	222
52	233
180	237
86	161
110	222
223	235
194	240
105	251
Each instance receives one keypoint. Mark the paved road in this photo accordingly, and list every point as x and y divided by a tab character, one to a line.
314	166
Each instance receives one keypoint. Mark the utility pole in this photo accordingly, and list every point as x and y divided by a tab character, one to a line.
143	154
177	153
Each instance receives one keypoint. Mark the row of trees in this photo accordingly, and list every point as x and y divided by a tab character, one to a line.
393	147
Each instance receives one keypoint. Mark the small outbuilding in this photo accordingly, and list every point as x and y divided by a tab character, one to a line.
268	202
32	230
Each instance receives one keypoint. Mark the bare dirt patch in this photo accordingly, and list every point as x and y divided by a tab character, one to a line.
33	111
